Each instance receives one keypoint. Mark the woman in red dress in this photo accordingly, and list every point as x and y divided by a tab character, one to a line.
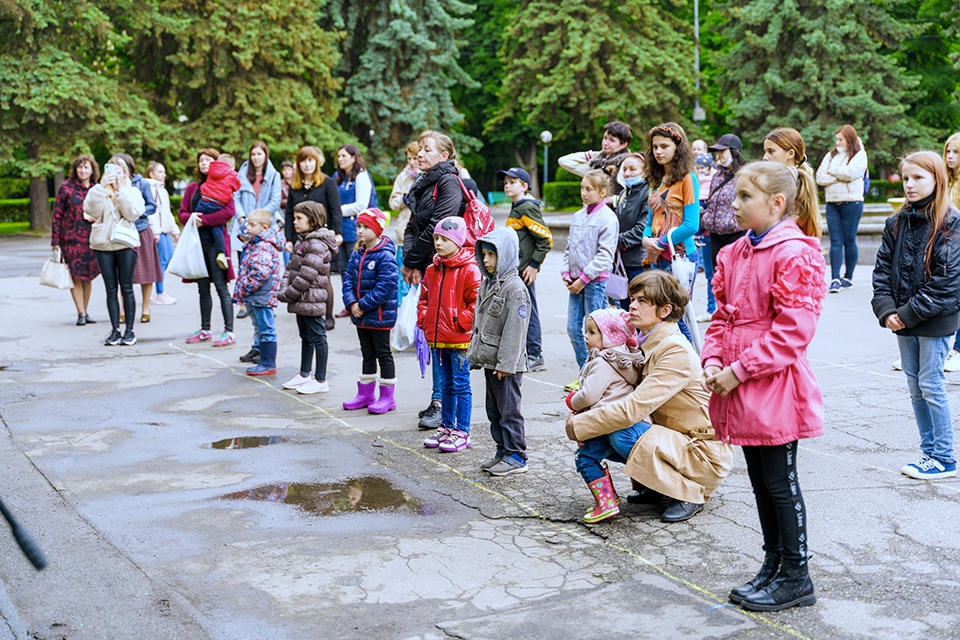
71	233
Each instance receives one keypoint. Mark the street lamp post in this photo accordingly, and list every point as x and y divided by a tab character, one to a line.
699	115
546	138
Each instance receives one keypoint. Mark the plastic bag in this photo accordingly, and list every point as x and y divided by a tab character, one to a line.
403	335
682	268
55	272
187	261
690	317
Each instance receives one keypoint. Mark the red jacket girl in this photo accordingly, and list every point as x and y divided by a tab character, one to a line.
448	298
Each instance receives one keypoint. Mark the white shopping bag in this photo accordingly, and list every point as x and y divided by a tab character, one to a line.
402	337
187	261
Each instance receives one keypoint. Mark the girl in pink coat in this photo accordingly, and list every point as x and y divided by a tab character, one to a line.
769	286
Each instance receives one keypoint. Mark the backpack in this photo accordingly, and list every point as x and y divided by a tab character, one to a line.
476	214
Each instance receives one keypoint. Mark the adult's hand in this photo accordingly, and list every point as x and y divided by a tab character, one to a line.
653	250
530	275
410	276
199	218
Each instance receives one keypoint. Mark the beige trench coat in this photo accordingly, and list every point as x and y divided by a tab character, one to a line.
678	456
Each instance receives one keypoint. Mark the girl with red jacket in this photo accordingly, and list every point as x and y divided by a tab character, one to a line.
448	297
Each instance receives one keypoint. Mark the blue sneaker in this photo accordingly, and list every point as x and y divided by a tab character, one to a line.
835	285
509	465
846	283
927	468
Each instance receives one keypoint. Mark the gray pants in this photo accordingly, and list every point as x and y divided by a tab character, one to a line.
503	412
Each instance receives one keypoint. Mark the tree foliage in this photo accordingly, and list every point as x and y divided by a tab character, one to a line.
817	64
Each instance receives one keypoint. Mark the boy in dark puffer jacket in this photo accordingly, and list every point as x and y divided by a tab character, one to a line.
370	295
448	296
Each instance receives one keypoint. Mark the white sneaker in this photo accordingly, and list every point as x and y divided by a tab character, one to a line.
314	386
164	299
296	382
705	317
897	365
953	362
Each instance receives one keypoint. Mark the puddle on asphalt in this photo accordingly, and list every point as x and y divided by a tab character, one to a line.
248	442
367	494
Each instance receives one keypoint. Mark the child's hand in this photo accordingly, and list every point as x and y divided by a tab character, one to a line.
724	382
355	310
709	372
894	323
529	275
501	374
576	286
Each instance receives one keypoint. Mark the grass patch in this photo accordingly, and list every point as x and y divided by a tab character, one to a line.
14	227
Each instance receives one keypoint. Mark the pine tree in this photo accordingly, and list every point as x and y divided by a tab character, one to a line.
815	65
573	66
234	73
400	64
62	91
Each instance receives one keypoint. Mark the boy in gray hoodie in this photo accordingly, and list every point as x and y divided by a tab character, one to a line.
498	346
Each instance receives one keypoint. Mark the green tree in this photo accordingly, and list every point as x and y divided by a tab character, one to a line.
815	65
62	91
573	66
400	63
233	73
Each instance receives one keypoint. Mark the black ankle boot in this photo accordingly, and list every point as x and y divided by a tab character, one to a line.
769	571
791	588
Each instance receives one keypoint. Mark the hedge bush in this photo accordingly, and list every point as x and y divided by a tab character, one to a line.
562	175
881	190
14	188
16	210
383	196
562	195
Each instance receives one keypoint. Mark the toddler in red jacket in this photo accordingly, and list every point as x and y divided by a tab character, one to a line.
216	191
448	297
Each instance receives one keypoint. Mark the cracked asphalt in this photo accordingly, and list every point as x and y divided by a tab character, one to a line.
343	526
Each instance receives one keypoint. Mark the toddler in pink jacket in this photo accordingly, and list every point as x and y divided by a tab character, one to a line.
769	286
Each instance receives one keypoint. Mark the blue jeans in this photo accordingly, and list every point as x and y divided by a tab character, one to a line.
922	360
456	395
632	272
165	251
666	265
707	263
843	219
264	325
615	447
582	305
437	394
534	336
956	342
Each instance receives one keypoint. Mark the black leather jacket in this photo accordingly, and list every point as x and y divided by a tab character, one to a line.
426	212
632	212
927	305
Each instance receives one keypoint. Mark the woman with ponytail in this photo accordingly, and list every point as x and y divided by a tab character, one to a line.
786	146
915	285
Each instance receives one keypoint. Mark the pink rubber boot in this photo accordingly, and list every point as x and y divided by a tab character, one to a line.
386	401
366	390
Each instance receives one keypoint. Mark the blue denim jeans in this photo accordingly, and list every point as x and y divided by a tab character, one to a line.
956	342
456	395
922	360
843	219
437	378
264	325
615	447
707	263
582	305
165	251
666	265
534	336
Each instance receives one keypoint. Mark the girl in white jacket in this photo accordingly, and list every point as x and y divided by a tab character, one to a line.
841	174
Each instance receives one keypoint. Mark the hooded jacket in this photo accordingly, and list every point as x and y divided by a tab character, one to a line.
448	295
141	184
304	285
371	281
632	212
499	337
259	278
427	211
107	208
607	376
221	183
769	299
926	306
532	232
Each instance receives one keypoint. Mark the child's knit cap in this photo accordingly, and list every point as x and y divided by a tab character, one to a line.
614	325
453	228
374	219
704	160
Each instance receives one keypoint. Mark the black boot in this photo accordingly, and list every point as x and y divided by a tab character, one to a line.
791	588
769	571
251	356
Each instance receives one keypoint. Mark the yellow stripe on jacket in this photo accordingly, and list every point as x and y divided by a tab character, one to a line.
529	223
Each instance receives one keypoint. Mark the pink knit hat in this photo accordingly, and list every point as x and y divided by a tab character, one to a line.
453	228
614	325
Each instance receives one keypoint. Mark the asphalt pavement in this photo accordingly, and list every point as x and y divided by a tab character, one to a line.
177	498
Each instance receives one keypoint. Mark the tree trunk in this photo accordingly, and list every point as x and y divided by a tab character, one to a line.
58	179
529	162
39	204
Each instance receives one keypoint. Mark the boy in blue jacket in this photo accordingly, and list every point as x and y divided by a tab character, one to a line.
370	294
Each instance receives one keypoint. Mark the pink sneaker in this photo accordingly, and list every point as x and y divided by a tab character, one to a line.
438	436
456	441
199	336
226	339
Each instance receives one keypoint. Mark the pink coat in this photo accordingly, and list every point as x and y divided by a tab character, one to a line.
769	299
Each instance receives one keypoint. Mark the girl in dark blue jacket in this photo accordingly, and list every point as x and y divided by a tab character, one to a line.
370	295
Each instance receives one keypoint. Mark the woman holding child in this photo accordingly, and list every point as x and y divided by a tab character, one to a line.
675	455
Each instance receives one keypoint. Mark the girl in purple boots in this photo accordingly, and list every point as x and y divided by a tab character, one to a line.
370	295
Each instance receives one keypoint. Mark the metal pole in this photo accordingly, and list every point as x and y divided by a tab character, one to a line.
545	163
698	113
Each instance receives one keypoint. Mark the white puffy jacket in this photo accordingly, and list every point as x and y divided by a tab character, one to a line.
843	181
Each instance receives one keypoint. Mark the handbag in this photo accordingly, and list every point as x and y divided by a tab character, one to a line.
125	233
618	285
56	272
682	268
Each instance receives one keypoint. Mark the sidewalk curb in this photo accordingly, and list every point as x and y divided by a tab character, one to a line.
8	613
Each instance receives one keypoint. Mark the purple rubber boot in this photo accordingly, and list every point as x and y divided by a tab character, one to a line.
386	401
366	394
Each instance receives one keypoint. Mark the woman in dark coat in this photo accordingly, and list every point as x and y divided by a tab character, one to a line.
211	223
632	213
311	183
71	233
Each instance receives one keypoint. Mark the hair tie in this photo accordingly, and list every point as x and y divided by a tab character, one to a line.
666	132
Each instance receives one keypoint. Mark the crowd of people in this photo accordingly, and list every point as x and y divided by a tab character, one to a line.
650	394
